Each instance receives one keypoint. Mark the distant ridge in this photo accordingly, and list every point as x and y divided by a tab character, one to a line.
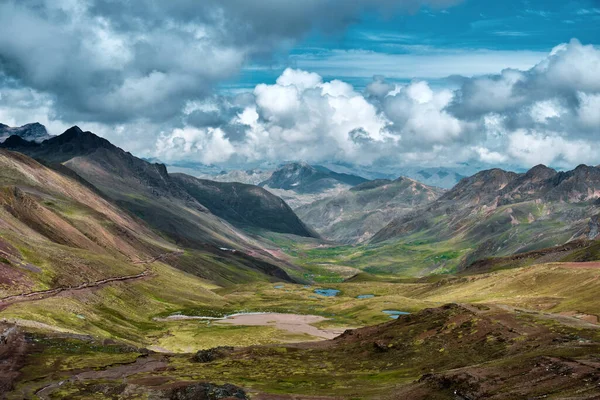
304	178
34	132
498	213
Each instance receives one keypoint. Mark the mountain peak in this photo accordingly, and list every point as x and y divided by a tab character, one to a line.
540	172
82	140
72	131
583	167
482	187
304	178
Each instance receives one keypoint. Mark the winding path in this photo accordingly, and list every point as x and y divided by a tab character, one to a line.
44	294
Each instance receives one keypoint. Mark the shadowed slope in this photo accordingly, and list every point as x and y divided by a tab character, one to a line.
244	205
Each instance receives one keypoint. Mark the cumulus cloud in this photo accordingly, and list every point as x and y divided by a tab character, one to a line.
548	114
418	115
210	144
532	147
543	115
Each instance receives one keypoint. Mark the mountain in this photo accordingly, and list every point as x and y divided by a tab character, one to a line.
497	213
63	231
61	206
304	178
355	215
441	177
300	184
244	205
148	191
34	132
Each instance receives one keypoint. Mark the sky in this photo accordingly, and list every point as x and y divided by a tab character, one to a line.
364	82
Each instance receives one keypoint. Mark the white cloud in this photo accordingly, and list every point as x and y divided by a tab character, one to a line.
531	148
490	157
541	111
418	115
209	145
277	102
572	67
302	80
589	111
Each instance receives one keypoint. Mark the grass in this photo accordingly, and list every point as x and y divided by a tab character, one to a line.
355	369
191	336
126	313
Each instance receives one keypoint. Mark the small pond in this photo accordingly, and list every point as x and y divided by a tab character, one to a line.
395	313
365	296
278	287
327	292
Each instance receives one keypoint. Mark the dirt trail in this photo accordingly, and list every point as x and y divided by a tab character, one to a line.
44	294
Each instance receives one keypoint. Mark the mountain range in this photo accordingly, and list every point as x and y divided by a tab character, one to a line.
170	205
443	177
492	213
109	261
496	213
355	215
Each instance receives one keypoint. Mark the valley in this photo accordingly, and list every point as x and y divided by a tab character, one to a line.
122	280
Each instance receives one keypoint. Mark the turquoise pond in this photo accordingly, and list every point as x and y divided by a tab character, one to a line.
365	296
395	313
327	292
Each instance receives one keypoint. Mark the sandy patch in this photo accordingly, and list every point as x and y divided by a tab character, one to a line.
293	323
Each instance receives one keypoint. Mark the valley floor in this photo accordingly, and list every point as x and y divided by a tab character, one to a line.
488	335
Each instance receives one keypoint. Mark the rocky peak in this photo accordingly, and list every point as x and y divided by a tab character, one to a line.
303	178
540	172
483	184
72	132
34	132
76	139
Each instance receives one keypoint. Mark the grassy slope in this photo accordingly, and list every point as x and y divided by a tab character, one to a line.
439	249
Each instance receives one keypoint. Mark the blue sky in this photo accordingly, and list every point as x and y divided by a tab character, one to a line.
472	38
